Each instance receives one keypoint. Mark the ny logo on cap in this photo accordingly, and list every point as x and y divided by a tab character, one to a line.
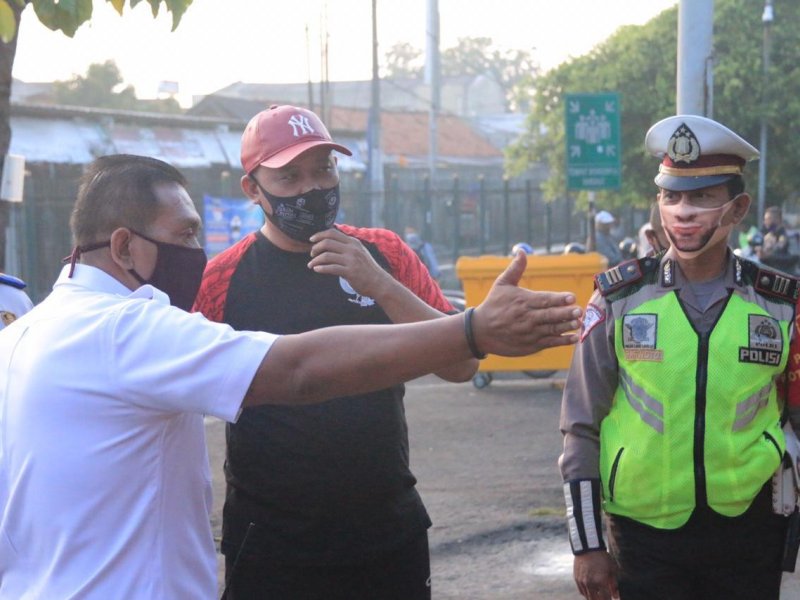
300	122
683	145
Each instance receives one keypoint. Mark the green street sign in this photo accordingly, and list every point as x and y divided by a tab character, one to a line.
593	141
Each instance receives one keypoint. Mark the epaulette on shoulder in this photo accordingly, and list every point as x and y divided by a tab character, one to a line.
625	274
12	281
768	282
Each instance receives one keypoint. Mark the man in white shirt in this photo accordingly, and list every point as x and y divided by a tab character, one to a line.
104	480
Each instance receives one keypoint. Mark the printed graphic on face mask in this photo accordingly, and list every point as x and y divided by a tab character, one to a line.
681	221
303	215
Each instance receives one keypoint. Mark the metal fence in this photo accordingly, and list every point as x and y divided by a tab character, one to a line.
460	215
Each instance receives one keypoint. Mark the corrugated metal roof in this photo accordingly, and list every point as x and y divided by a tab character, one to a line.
74	135
57	140
180	147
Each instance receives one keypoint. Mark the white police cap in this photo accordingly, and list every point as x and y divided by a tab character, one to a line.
604	217
697	152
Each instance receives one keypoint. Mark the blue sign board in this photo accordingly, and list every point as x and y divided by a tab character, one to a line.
227	220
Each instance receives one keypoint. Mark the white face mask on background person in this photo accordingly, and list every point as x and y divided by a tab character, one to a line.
687	212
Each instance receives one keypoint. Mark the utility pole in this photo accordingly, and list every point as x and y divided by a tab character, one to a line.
767	17
308	69
324	89
374	132
695	57
432	78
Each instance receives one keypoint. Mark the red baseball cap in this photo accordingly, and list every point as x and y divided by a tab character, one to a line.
279	134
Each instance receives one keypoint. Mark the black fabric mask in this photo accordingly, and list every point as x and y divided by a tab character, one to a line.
301	216
178	272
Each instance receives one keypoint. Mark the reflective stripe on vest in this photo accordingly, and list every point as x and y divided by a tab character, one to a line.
692	420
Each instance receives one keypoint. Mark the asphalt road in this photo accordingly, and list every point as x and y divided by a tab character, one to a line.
486	465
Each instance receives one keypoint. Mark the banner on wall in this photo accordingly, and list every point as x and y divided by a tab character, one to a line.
227	220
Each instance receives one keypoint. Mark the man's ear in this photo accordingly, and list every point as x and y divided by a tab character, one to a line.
120	247
250	188
741	206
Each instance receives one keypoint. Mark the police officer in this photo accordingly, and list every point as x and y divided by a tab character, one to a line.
670	415
13	301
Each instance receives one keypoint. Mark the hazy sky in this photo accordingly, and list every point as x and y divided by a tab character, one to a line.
223	41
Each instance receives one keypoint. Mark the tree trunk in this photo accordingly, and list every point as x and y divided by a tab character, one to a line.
7	53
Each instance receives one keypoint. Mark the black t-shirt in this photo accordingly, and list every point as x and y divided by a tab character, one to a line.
328	483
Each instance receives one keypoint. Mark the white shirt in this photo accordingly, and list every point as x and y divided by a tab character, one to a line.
105	489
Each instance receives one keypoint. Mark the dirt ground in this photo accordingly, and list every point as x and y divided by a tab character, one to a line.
486	465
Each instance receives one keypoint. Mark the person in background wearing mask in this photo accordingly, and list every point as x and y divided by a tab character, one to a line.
14	302
671	413
605	243
328	489
104	482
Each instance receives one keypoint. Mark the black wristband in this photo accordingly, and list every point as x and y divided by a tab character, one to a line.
470	335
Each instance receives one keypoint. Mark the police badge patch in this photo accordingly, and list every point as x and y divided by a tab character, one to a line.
639	337
7	317
765	341
591	319
683	146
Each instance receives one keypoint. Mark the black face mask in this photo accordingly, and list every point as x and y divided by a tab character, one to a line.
301	216
178	272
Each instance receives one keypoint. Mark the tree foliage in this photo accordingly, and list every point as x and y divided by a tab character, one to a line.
471	57
479	56
68	15
404	61
59	15
102	87
639	62
99	88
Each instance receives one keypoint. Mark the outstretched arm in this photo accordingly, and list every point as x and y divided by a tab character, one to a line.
339	361
336	253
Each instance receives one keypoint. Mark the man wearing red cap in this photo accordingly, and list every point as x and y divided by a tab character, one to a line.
320	501
671	416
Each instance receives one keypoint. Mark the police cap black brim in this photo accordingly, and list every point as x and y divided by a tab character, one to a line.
687	184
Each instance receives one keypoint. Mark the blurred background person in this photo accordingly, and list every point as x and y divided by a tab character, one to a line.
776	241
424	251
605	243
774	250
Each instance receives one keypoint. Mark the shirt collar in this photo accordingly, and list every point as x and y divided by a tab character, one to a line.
94	279
671	275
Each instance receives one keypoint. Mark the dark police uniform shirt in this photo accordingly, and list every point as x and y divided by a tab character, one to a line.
328	483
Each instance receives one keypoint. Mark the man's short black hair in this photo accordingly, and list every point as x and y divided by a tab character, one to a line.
735	185
118	190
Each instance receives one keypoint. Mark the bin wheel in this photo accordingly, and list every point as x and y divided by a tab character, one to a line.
539	374
481	380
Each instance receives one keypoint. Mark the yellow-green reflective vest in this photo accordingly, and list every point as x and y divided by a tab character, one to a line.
692	421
